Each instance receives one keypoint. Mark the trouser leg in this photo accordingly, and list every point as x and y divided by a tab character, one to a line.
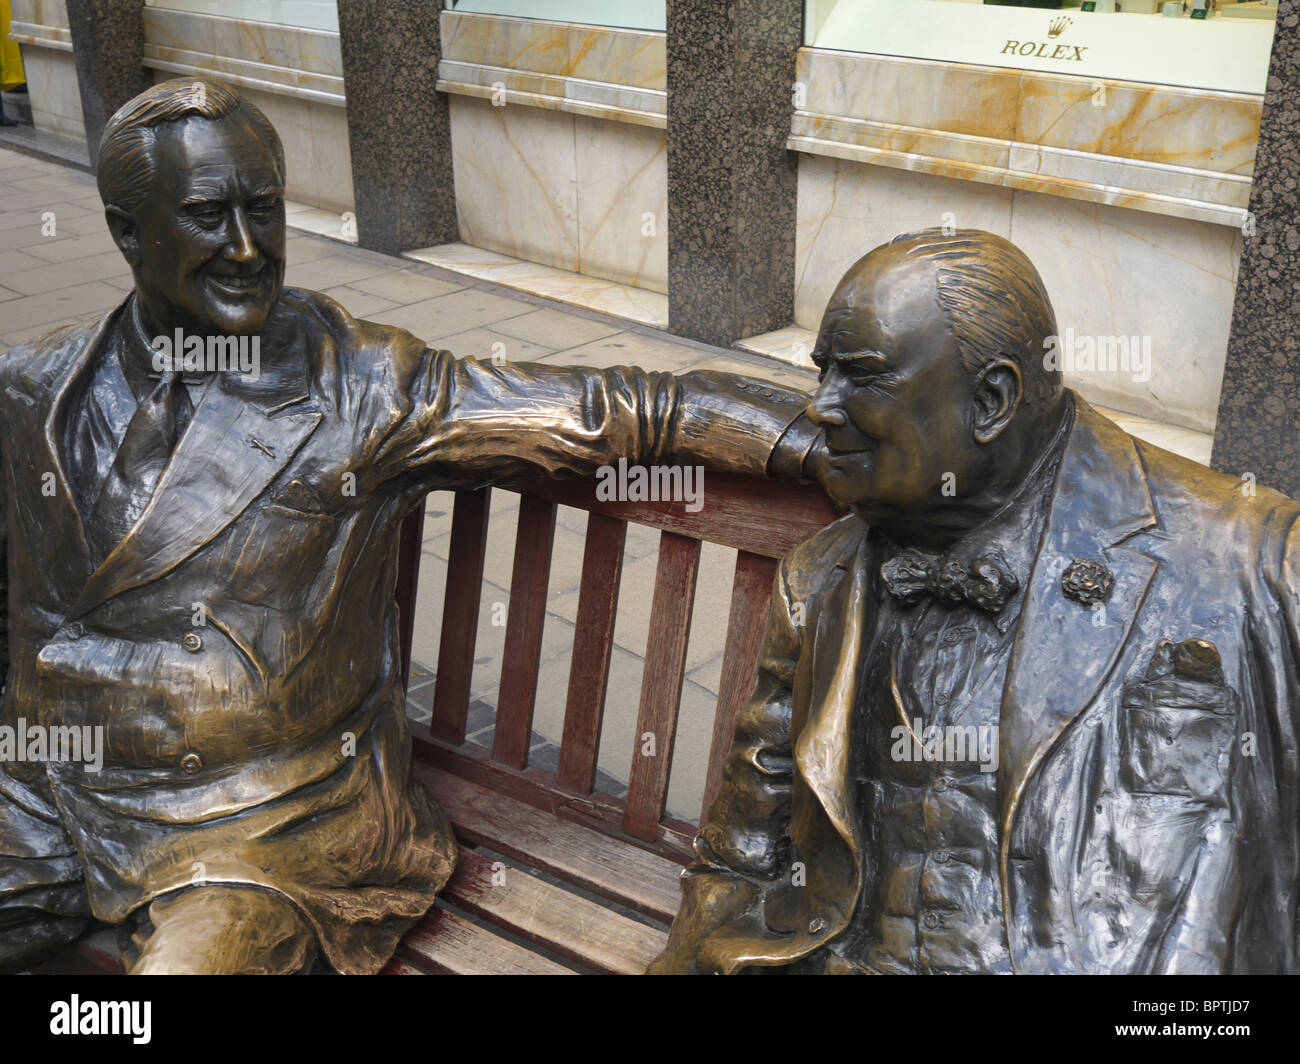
220	930
43	903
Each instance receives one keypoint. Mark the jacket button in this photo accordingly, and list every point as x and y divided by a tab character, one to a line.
941	784
931	921
75	630
193	642
816	924
191	763
943	856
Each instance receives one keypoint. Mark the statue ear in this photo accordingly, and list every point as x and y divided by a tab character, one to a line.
126	235
997	395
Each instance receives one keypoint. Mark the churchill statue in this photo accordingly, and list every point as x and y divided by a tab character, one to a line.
1032	704
199	560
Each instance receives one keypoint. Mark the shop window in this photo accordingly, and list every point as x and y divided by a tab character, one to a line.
620	14
303	14
1205	44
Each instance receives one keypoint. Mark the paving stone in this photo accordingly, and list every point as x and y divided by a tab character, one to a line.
556	329
487	344
629	349
329	271
357	303
404	287
454	313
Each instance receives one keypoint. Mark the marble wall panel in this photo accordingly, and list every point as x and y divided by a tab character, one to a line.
625	57
954	97
619	56
516	186
293	121
40	12
846	209
1207	130
622	175
1161	124
1115	272
53	92
186	30
520	44
259	42
1110	272
331	157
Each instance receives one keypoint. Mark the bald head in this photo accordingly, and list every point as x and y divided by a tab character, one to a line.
935	398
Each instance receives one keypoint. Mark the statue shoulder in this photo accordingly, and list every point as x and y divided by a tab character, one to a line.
358	343
820	559
44	356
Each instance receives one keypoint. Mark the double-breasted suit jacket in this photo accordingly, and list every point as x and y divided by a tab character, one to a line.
238	648
1147	822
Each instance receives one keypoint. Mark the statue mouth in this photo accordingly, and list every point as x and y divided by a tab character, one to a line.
238	283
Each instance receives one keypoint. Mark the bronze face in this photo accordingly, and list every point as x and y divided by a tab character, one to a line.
926	434
207	243
894	402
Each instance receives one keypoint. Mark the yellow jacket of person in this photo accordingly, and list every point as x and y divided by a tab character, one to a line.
11	59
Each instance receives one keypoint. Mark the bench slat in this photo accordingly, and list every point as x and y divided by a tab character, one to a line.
522	655
448	944
751	591
593	641
565	923
771	523
606	866
661	683
469	527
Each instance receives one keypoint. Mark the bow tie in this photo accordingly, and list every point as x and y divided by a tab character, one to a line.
987	582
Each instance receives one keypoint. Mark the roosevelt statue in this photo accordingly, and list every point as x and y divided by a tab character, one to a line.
200	566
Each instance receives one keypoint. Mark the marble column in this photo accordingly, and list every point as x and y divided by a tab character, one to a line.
731	181
1258	427
107	48
398	124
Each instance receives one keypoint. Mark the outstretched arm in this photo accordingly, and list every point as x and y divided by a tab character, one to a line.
473	422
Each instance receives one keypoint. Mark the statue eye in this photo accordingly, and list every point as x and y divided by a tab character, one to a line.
208	217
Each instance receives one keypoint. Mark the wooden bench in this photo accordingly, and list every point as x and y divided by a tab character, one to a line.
554	876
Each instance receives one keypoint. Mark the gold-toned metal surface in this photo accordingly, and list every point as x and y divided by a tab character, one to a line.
200	567
1095	768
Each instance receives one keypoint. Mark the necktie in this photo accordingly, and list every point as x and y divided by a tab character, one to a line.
987	581
146	446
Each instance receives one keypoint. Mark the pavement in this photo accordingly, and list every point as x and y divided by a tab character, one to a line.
58	264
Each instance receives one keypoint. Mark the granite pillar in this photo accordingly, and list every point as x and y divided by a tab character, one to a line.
398	124
108	49
1258	427
731	181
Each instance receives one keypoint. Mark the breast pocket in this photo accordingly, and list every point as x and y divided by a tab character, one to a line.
1177	739
282	554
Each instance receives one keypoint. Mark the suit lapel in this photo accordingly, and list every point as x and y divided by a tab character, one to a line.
238	441
822	749
67	526
1060	656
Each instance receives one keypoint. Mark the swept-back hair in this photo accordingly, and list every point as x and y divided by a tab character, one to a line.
127	149
994	300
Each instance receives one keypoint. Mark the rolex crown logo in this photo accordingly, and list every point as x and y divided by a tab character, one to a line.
1058	26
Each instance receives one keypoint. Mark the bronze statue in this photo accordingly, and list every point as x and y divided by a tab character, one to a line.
1032	705
201	563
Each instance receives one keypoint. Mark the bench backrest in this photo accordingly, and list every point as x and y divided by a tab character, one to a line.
761	518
